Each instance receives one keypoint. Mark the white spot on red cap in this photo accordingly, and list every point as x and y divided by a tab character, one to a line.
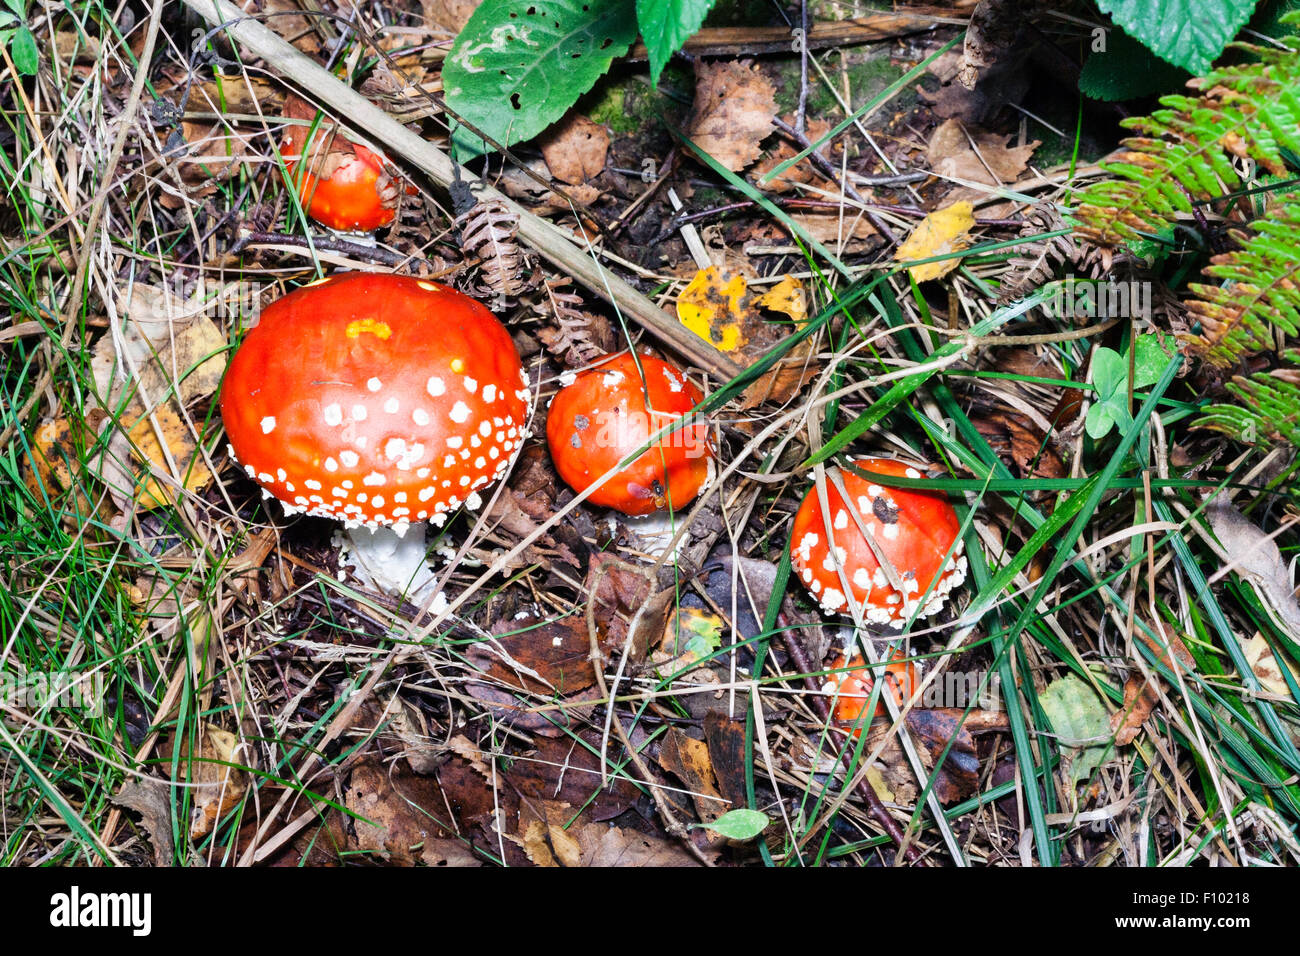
333	414
374	385
459	413
331	464
359	413
392	405
349	458
420	416
268	424
489	393
374	478
471	385
435	386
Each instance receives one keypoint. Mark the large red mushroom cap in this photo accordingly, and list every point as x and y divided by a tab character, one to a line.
376	399
344	186
601	416
913	530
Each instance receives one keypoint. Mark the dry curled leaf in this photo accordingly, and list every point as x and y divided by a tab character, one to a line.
1139	700
218	785
1256	557
734	107
575	149
1264	664
151	798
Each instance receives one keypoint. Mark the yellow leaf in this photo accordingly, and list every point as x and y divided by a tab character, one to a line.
191	469
714	309
787	298
943	231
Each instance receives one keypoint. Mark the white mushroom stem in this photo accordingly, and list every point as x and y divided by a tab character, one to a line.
389	560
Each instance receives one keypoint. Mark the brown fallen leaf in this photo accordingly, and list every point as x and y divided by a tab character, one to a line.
726	740
169	355
538	655
217	783
394	814
575	149
734	107
974	155
1139	700
151	798
801	172
452	15
568	770
1256	558
688	760
1015	437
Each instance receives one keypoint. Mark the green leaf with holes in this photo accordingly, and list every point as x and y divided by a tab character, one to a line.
518	66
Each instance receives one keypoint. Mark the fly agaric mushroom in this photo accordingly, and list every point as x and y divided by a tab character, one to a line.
911	530
851	685
601	416
344	185
375	399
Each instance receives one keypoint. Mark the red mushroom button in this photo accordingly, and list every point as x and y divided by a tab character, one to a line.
913	530
852	683
601	416
376	399
345	186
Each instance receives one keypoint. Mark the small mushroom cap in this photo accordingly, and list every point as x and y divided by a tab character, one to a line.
853	685
345	185
600	417
913	529
376	399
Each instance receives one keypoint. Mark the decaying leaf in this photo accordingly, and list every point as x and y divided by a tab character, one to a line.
217	786
168	356
734	106
539	655
944	231
802	171
976	156
1139	700
575	149
151	798
1266	667
1255	556
1080	723
687	759
724	312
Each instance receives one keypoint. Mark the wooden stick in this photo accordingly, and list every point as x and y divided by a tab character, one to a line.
397	140
717	41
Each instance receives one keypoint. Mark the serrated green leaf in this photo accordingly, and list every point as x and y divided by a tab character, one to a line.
1186	33
519	65
1126	70
739	824
1080	723
27	59
667	24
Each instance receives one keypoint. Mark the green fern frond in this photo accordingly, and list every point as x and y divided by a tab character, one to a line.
1269	411
1259	299
1187	149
